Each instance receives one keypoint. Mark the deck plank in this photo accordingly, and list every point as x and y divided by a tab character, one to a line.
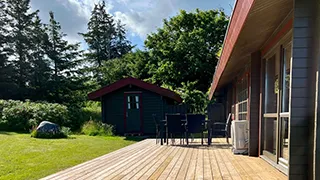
148	160
158	158
193	163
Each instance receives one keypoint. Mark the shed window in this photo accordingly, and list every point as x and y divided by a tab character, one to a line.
133	102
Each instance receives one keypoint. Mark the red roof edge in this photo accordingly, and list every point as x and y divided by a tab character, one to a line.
239	15
136	82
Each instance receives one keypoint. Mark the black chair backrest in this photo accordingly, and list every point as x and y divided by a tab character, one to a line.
219	129
195	123
174	123
155	119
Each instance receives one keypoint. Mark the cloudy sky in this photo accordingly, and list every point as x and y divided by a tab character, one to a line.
140	16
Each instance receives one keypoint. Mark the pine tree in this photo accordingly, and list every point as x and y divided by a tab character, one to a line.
7	87
99	36
21	23
41	72
105	38
63	59
121	45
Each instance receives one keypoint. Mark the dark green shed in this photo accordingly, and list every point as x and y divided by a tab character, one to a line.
129	105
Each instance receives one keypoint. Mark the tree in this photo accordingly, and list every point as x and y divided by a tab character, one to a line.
64	60
41	72
105	38
7	86
21	23
185	48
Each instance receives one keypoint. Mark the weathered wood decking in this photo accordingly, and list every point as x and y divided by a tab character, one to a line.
146	160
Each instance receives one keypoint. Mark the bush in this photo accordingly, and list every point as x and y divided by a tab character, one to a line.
43	135
22	116
97	128
78	116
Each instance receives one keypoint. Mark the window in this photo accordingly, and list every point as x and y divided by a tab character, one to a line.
133	102
242	99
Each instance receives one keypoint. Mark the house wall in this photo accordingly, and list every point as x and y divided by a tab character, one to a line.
316	56
113	109
254	102
302	92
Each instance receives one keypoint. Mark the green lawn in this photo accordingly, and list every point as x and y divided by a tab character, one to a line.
23	157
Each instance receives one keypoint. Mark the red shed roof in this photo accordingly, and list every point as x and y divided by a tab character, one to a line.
136	82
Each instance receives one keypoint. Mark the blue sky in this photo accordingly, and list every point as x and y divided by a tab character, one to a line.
140	16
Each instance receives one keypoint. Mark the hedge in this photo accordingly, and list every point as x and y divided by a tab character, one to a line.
22	116
25	115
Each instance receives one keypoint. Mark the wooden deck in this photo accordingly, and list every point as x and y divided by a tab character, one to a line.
146	160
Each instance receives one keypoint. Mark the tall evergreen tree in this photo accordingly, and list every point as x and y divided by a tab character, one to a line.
63	59
121	45
41	72
105	38
7	87
21	23
101	31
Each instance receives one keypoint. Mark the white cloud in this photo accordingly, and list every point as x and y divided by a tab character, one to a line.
73	15
145	21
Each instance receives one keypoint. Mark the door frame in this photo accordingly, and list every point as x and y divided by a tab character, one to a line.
125	105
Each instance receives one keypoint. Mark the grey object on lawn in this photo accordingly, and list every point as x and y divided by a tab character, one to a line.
48	127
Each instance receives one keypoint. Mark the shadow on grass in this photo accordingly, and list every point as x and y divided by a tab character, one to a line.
6	133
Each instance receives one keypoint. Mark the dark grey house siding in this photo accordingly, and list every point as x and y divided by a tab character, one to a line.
316	57
301	113
254	97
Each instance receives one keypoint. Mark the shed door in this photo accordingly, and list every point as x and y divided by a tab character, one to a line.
133	113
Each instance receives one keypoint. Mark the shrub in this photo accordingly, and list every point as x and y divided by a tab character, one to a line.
97	128
22	116
66	130
78	116
44	135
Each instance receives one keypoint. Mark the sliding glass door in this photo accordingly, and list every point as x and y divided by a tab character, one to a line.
276	105
284	115
270	107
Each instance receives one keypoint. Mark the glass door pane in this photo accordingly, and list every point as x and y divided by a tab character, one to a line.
286	78
284	140
284	115
270	135
271	85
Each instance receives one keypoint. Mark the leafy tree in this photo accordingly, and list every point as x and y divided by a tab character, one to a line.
196	99
21	23
114	70
185	48
138	64
132	64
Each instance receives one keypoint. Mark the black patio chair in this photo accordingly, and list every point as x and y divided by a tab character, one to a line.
218	129
195	124
157	127
175	125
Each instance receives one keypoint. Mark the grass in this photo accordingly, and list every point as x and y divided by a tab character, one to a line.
23	157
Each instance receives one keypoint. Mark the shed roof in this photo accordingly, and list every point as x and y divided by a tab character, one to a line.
136	82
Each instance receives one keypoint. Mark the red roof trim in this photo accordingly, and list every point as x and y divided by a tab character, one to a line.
136	82
238	18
